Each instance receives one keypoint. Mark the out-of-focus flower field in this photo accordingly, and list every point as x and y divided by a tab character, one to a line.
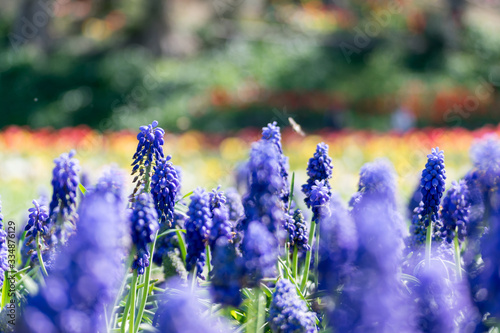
26	156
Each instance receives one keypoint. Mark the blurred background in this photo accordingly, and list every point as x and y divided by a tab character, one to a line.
370	78
221	65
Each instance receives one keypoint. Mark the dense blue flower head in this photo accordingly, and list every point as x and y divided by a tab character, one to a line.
165	186
37	221
455	212
271	133
65	182
3	249
418	231
319	168
432	183
318	199
144	225
262	202
297	232
85	277
198	228
337	247
150	145
180	312
217	198
378	178
226	274
112	182
485	285
372	298
288	313
221	226
259	254
235	206
485	156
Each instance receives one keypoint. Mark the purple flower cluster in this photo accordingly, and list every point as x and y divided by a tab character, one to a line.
337	247
485	156
432	183
226	274
37	222
221	226
236	211
260	254
297	232
85	276
65	182
455	212
180	312
198	228
263	203
149	147
318	199
319	168
271	133
378	178
288	313
144	225
165	186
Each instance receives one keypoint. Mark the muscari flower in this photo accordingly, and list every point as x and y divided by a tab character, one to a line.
319	168
227	272
416	239
297	232
236	211
37	222
259	254
271	133
263	203
372	298
3	249
318	199
165	186
198	228
455	212
337	247
149	150
485	156
85	277
217	198
378	178
432	184
288	313
65	182
221	226
180	312
144	225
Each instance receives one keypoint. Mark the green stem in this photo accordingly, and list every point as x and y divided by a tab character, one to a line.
125	313
316	260
39	254
458	266
307	263
287	258
428	242
182	245
207	254
122	288
133	289
261	310
295	265
145	290
5	290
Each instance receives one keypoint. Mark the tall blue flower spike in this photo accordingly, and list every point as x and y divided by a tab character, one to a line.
165	187
319	168
263	203
37	222
455	212
271	133
198	228
149	151
288	313
62	207
144	225
85	277
297	231
432	184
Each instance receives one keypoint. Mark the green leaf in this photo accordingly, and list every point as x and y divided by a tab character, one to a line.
82	188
